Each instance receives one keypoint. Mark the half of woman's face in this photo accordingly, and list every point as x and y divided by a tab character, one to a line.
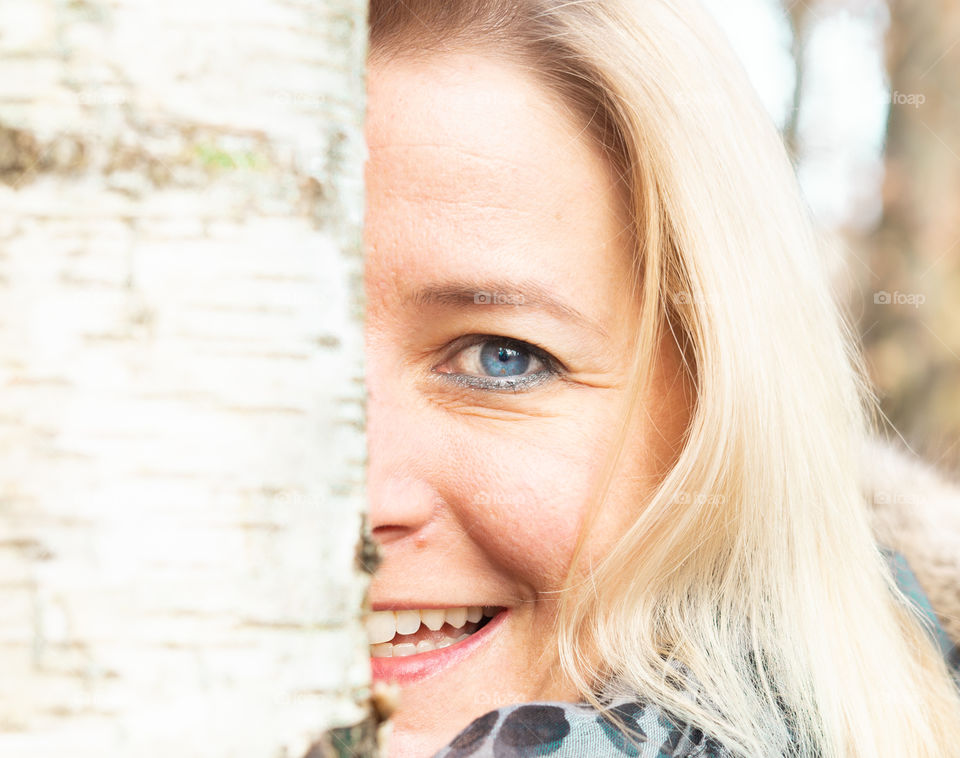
499	332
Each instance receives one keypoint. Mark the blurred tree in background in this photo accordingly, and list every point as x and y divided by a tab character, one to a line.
905	288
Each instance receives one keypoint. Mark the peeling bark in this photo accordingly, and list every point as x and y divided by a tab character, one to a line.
181	390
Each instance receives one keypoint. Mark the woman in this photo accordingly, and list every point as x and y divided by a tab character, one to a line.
614	416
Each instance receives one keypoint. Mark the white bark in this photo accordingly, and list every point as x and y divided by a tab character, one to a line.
181	394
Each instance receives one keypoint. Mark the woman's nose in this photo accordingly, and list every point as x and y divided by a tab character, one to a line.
401	499
399	507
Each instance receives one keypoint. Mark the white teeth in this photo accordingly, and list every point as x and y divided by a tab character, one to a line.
433	618
408	622
381	626
456	617
405	649
452	641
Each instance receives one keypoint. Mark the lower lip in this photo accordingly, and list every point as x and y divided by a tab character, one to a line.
416	668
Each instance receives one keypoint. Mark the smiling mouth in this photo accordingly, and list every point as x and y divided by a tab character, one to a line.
398	634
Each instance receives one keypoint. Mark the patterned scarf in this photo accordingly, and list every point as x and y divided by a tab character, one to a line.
577	730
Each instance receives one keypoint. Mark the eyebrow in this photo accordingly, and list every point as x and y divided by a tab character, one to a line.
483	294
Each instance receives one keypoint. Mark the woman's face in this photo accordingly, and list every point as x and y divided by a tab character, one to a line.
499	329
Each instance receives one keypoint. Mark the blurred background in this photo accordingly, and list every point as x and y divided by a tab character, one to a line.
867	94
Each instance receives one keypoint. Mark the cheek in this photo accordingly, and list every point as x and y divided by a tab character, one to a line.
520	490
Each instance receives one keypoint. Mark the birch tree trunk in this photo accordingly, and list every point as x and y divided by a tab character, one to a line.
181	392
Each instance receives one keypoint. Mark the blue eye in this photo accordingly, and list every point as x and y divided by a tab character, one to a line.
499	363
499	360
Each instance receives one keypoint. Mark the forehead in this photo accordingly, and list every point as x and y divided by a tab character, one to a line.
460	96
467	115
475	168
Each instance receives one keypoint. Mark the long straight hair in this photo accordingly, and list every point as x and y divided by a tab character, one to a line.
753	564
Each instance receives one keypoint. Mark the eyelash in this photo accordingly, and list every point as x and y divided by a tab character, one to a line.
552	367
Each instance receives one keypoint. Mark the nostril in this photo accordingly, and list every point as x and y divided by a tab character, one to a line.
399	505
389	532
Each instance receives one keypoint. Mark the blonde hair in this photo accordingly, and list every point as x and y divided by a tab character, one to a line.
753	564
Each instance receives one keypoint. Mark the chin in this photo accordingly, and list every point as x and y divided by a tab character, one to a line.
448	675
